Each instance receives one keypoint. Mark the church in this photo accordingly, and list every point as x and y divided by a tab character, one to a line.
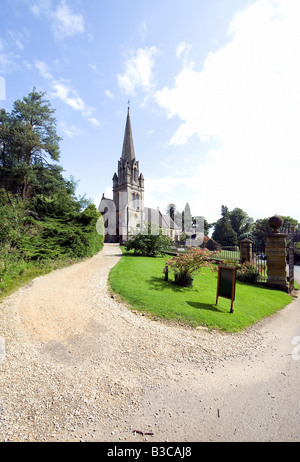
125	215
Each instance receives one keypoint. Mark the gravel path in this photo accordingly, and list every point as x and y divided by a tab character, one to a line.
77	365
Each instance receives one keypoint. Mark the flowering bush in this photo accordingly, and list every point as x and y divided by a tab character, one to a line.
186	265
247	272
244	271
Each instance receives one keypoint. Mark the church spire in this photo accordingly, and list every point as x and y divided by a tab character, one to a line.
128	148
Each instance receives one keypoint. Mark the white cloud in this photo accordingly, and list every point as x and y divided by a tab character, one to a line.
8	61
143	30
69	96
109	94
138	71
71	130
9	51
43	69
40	7
183	49
246	96
94	121
64	22
64	91
18	38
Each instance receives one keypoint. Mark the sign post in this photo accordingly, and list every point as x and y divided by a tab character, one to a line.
166	272
226	284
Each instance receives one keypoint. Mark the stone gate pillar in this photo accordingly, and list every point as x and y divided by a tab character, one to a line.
246	251
276	255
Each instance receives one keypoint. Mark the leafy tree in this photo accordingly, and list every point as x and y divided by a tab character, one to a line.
224	211
289	221
240	221
40	216
261	228
223	232
33	117
28	139
249	235
170	210
150	245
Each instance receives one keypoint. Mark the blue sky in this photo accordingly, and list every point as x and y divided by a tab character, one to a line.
213	85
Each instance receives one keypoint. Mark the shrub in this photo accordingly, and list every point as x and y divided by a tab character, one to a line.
149	245
186	265
245	272
212	245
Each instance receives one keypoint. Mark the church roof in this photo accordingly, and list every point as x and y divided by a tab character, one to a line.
128	148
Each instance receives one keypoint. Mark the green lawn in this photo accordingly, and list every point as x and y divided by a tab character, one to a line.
140	282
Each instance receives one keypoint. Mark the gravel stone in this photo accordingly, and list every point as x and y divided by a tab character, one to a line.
80	366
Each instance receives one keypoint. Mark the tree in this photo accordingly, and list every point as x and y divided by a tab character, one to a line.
289	221
40	215
241	223
261	228
150	245
170	210
33	116
224	211
223	232
28	139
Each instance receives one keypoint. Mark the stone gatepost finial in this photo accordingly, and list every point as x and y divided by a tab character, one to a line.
275	223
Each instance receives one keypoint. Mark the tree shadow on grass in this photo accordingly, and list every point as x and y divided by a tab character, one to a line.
204	306
160	284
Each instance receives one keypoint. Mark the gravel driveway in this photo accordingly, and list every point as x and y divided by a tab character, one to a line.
77	365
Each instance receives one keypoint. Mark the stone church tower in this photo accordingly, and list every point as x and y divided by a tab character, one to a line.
128	188
125	214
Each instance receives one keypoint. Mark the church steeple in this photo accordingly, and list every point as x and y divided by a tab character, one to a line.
128	148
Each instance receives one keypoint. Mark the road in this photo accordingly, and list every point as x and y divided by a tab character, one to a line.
80	366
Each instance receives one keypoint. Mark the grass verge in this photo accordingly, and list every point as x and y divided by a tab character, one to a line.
140	282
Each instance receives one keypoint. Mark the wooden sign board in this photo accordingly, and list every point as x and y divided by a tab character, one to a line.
226	284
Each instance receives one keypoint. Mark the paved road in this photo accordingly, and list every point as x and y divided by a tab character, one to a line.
253	399
297	273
